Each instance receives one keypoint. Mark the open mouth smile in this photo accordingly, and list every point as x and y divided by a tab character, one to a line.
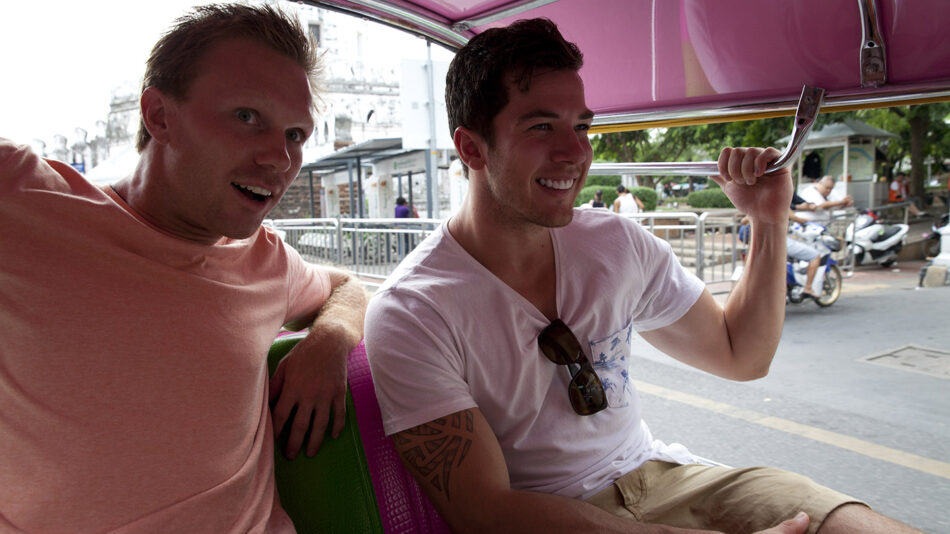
557	184
257	194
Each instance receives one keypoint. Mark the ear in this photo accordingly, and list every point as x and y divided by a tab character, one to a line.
470	147
154	105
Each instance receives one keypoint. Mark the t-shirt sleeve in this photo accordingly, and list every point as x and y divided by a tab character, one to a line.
668	289
308	285
417	370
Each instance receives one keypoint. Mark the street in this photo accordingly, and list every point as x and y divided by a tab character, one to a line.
878	431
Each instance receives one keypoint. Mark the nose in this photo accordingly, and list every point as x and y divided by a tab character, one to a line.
273	152
572	146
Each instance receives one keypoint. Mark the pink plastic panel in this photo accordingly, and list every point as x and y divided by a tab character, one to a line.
646	55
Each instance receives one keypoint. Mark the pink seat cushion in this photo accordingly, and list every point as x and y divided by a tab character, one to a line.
403	507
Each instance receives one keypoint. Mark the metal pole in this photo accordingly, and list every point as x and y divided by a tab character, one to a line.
359	185
432	210
411	205
349	172
312	208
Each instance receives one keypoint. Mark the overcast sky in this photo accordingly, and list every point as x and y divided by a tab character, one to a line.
62	60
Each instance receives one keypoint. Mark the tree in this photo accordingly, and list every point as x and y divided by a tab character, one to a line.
923	131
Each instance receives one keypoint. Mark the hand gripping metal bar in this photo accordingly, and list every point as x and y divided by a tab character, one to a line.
808	106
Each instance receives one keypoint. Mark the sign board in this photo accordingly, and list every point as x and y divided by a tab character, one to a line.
414	99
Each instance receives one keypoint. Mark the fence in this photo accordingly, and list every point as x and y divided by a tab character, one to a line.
705	243
370	248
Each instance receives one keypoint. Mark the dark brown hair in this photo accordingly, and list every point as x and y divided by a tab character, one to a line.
476	86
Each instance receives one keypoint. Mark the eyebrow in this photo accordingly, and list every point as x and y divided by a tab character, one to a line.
544	114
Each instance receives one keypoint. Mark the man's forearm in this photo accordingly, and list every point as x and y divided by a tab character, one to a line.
529	512
343	312
755	310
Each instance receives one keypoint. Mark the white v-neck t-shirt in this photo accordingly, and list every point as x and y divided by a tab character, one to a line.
444	334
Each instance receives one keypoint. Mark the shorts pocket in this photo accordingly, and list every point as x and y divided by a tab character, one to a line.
611	361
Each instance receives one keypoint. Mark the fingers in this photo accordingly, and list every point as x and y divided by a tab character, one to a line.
298	431
276	383
745	166
795	525
339	414
320	418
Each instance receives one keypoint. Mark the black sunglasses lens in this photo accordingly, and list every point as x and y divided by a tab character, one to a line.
587	393
558	343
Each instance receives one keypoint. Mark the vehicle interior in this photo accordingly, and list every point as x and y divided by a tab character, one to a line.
648	64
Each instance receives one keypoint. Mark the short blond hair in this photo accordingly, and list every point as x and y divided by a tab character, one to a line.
172	65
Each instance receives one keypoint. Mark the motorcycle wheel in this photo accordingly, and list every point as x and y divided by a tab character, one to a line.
831	288
930	248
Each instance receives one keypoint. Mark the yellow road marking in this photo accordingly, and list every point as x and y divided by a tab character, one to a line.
860	446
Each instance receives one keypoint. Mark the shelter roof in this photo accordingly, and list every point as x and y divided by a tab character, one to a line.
365	152
846	129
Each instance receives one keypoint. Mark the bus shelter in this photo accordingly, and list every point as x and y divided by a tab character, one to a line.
850	151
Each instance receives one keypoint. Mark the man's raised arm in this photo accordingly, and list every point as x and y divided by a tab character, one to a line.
738	341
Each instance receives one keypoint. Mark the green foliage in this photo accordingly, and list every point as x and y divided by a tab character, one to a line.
923	131
647	196
603	181
587	194
709	198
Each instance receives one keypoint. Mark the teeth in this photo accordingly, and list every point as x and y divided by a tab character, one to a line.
557	184
256	190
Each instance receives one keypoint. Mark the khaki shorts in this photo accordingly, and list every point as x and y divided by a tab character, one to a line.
716	497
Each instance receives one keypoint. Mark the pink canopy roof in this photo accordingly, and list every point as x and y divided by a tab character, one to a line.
663	60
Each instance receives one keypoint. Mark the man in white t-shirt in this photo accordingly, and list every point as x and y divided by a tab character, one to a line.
825	199
500	347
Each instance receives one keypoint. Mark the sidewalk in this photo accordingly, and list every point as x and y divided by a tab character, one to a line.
902	275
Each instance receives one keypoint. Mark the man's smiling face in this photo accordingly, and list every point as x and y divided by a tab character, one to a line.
235	143
541	153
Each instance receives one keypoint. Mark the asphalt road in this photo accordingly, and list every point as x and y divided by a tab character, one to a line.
877	432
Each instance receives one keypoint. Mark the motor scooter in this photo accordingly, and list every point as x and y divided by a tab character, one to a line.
874	242
930	246
827	281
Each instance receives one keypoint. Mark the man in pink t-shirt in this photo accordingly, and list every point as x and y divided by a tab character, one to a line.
134	394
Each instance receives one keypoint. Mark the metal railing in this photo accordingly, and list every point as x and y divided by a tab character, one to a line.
705	243
370	248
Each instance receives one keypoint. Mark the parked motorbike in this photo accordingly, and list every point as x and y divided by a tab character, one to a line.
930	246
874	242
827	282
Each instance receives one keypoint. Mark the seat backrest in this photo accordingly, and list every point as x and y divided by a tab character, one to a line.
356	483
331	491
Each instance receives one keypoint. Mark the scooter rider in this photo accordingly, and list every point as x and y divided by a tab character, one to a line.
800	251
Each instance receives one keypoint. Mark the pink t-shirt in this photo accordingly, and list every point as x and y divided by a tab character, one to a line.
133	380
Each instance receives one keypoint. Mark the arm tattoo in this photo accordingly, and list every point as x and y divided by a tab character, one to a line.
433	449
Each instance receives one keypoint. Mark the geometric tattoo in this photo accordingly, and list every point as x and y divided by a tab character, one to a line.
434	449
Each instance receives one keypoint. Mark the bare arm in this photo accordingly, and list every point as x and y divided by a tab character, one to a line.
312	377
638	201
459	464
738	341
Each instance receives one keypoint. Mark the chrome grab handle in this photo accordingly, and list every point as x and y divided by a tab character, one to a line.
808	106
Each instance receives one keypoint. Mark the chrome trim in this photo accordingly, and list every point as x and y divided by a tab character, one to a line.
808	106
872	56
516	9
433	29
891	95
